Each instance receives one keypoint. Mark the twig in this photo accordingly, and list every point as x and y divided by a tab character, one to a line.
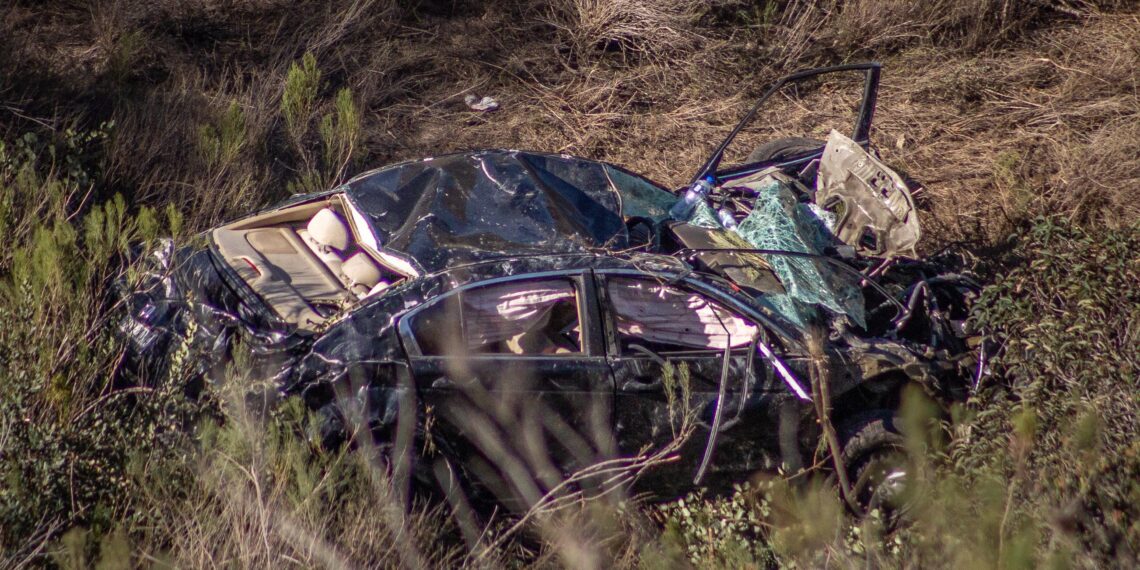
821	386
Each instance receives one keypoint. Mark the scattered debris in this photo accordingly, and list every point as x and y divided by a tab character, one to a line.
487	103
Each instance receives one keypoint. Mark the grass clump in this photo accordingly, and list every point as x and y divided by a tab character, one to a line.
301	86
632	27
338	130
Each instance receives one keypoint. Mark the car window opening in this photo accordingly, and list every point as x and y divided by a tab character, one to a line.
671	319
308	262
520	318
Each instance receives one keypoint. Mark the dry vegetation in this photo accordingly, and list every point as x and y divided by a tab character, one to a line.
194	111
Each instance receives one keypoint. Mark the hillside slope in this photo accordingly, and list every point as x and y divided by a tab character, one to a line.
124	121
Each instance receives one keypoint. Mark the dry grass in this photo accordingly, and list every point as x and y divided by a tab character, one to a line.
1047	127
1004	109
998	134
654	29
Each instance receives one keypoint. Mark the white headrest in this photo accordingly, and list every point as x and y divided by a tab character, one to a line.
361	270
328	230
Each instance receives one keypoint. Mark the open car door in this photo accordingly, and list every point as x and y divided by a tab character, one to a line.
863	203
860	132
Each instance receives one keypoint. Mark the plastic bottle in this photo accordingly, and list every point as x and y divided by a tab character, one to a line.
684	207
726	219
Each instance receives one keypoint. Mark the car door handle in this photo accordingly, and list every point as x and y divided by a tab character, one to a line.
653	355
643	384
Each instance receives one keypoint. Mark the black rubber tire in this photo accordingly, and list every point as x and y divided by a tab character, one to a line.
780	149
876	461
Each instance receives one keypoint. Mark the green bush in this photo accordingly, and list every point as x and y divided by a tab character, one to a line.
1065	322
339	130
66	434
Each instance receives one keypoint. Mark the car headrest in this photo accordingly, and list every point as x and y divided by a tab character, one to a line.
361	270
329	230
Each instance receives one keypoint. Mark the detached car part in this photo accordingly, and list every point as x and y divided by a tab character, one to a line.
873	208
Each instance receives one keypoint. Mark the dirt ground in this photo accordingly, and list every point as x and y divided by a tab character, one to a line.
1002	112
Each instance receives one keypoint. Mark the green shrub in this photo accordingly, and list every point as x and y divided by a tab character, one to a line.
339	130
302	84
66	434
1065	321
722	531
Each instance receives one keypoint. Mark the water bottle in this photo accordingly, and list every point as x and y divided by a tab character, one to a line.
726	219
684	207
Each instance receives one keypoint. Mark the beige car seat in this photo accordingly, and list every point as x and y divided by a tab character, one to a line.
328	236
360	274
328	231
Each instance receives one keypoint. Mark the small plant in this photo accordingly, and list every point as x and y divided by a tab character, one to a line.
220	143
725	532
302	84
339	130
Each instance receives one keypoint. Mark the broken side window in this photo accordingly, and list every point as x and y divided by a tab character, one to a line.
532	317
664	318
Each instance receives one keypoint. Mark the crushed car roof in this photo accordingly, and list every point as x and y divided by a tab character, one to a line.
462	208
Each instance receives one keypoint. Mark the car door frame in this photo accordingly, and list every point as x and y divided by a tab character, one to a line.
598	395
861	132
768	389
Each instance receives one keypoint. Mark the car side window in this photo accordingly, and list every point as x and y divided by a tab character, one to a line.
526	317
664	318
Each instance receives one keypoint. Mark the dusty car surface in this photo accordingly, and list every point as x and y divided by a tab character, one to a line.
513	318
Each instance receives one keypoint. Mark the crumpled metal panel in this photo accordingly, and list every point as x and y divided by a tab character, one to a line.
874	210
462	208
181	305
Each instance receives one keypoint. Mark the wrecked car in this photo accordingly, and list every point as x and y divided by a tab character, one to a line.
508	321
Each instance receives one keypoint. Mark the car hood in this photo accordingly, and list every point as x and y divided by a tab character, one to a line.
462	208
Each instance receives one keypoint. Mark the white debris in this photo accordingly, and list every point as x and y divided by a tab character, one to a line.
477	104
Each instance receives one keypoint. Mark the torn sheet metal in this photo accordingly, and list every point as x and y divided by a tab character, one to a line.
179	311
873	207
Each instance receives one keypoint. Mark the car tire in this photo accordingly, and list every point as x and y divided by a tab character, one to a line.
876	461
780	149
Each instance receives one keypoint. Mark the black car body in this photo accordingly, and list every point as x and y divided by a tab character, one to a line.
544	311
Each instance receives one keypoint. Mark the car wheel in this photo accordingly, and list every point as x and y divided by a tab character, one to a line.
877	464
780	149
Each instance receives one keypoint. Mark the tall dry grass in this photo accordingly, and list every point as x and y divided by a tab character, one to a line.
1046	127
1005	110
652	29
